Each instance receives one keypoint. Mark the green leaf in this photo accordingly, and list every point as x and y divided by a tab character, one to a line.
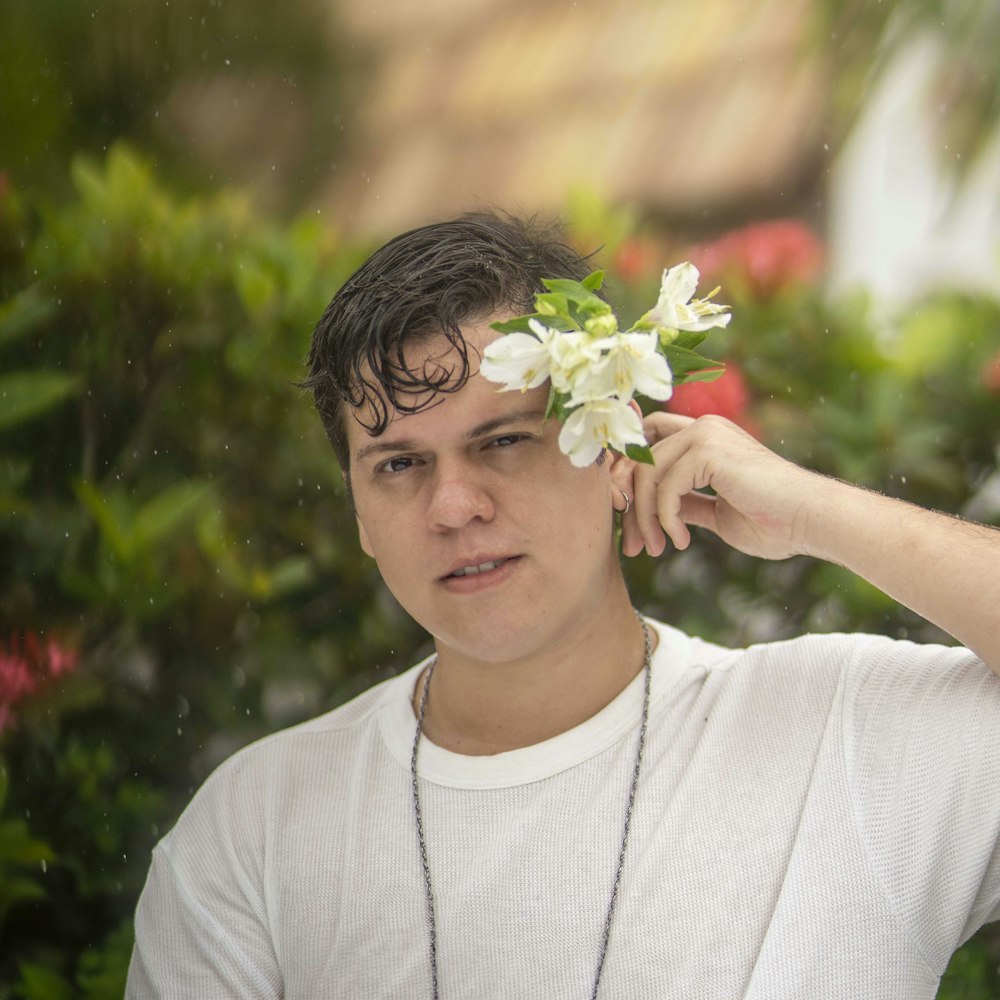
14	471
551	304
168	511
592	308
107	518
557	405
640	453
593	281
289	575
18	846
550	403
690	338
18	889
102	971
519	324
566	286
682	361
576	293
38	982
708	375
24	312
28	394
927	339
256	286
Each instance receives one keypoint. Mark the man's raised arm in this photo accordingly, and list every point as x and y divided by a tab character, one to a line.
943	568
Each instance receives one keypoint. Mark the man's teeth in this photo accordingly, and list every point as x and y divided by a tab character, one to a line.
481	568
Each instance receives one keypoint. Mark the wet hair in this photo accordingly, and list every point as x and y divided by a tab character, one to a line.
431	280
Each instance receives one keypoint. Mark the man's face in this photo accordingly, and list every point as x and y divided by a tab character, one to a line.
482	529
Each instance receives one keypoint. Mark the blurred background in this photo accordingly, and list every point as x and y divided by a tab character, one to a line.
183	186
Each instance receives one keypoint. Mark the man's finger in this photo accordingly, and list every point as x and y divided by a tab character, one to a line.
660	425
648	534
699	509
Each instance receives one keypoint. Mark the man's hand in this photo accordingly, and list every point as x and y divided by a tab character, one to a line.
944	568
761	504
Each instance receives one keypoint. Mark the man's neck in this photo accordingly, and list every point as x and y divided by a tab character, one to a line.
479	708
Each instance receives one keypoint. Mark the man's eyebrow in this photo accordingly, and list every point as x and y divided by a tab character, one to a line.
480	430
488	426
381	447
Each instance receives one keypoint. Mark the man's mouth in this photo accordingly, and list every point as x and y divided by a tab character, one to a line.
484	567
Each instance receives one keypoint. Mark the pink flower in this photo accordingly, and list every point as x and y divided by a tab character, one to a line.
991	375
60	659
765	257
16	678
728	396
25	665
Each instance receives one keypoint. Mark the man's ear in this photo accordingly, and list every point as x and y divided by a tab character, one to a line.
620	468
366	545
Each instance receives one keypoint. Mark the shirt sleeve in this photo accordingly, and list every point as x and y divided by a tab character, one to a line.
921	729
201	923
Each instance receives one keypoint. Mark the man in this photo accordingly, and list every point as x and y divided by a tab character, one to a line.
551	806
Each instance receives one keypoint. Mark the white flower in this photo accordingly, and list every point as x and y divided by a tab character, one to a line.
676	310
574	355
597	425
629	364
596	371
520	360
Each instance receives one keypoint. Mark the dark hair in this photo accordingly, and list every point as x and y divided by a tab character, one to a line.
431	280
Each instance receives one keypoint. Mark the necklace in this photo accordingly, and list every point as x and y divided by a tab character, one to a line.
428	889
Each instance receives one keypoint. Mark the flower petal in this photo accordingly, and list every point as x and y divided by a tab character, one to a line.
517	360
678	283
676	310
597	425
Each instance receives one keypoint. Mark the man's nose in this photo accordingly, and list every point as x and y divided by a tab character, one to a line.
458	495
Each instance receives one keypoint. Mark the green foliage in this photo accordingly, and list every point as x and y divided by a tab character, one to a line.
172	510
28	394
974	972
21	857
41	982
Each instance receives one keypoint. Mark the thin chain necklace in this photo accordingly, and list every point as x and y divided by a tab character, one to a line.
428	890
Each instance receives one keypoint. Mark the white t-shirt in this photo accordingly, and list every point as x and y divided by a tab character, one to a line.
815	818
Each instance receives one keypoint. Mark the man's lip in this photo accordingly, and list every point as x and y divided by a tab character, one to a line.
475	561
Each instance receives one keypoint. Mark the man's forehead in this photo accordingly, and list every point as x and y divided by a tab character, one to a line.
433	366
427	375
364	427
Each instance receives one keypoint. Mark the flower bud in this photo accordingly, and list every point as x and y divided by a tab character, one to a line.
604	325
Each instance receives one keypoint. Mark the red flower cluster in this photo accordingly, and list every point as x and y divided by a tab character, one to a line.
26	663
728	396
765	257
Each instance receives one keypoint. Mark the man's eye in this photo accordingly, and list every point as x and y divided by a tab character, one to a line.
506	440
400	464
